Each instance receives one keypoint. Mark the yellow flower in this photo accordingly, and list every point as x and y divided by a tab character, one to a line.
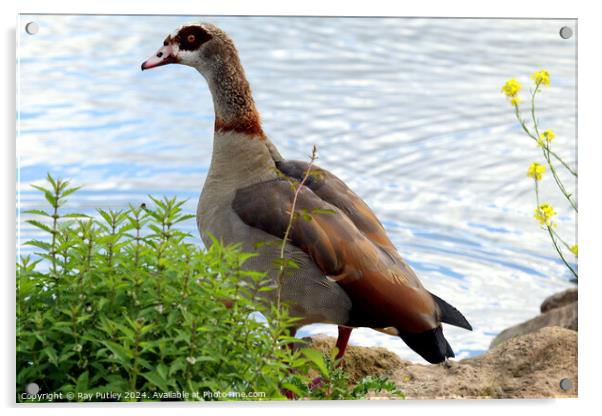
515	101
575	250
544	214
548	135
541	77
511	88
535	171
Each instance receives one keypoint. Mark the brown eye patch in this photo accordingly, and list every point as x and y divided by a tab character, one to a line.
190	38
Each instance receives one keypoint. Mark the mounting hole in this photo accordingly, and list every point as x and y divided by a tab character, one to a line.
32	388
32	28
566	384
566	32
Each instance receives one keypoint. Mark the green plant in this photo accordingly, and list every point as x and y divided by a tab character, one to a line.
122	306
544	212
334	383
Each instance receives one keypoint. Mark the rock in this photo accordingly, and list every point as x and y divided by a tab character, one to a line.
564	316
559	309
558	300
528	366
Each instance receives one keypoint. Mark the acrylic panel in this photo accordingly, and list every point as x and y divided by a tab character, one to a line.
118	300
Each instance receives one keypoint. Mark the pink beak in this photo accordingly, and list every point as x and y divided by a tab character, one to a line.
163	56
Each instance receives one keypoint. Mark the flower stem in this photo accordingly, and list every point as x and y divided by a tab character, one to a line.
546	155
564	243
553	235
535	139
533	108
290	224
545	146
560	252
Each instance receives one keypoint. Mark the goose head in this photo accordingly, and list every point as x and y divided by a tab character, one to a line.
211	52
200	45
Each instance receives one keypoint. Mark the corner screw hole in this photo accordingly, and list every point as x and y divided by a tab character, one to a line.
32	28
566	384
32	388
566	32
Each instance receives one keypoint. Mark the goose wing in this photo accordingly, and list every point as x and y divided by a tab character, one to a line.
345	240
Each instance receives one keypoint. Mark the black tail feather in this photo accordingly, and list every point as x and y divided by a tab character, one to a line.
431	345
451	315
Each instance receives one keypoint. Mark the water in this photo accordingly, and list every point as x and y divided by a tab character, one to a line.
408	112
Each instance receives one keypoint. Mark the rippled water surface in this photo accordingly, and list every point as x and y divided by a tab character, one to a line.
407	111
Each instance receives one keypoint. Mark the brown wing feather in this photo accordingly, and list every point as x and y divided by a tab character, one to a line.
383	289
334	191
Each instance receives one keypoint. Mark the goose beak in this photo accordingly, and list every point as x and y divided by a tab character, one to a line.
162	57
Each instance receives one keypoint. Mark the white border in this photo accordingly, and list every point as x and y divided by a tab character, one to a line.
589	185
458	8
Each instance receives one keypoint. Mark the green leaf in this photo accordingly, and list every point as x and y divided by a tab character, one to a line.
286	339
40	225
323	211
177	365
208	358
82	382
50	352
52	181
162	371
47	194
293	389
105	215
154	378
40	244
37	212
158	230
69	191
145	364
285	263
317	358
124	355
40	188
129	334
75	215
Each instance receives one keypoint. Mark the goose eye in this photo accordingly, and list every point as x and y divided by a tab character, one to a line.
190	38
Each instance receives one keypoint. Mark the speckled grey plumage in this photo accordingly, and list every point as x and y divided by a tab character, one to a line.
238	162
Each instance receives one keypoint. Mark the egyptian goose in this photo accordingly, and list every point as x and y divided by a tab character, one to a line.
350	273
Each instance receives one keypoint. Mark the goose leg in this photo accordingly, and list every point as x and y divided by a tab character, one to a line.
342	340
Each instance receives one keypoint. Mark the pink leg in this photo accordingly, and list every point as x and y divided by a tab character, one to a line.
342	340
